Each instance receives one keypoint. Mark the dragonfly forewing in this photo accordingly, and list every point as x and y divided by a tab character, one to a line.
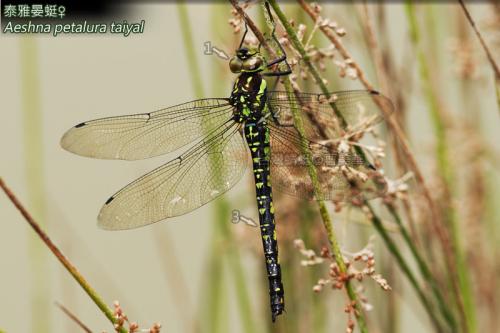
146	135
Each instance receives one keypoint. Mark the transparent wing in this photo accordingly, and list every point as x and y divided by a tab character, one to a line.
208	169
358	108
341	174
145	135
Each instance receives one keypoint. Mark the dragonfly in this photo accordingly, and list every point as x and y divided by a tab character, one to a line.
220	136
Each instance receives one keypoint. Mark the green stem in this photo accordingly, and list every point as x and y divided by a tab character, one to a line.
327	223
388	241
463	296
187	37
305	58
34	166
393	248
424	269
61	257
239	278
362	78
325	217
215	304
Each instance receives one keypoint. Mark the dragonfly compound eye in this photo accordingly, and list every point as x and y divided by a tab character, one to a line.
235	65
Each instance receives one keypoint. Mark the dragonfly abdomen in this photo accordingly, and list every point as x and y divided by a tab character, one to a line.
257	136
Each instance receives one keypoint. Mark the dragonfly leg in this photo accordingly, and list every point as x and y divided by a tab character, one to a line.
277	61
244	35
283	56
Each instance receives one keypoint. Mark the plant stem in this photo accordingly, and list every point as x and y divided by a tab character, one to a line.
327	223
300	48
393	126
174	278
457	269
216	302
34	171
187	37
393	248
492	61
493	64
424	269
239	279
73	317
60	256
214	284
325	217
399	135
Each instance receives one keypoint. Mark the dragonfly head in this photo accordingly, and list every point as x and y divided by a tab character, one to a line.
247	60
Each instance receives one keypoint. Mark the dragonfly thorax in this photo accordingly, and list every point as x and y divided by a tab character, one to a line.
249	97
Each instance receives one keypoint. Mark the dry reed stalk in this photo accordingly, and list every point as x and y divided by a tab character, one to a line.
383	78
73	317
492	61
60	256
